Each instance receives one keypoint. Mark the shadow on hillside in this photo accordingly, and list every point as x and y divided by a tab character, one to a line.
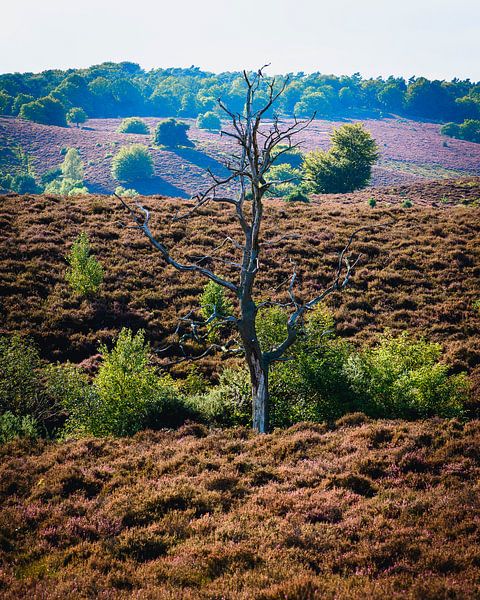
158	186
148	187
201	159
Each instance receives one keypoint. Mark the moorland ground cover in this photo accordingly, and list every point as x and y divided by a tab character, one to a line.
410	151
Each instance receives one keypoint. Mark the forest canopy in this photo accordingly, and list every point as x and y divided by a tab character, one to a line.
125	89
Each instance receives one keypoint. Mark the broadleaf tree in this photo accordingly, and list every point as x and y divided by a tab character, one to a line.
257	150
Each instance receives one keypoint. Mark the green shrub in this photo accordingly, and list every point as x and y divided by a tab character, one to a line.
66	187
126	193
228	403
13	426
285	180
284	155
209	120
19	101
407	203
346	166
403	378
372	203
172	133
85	273
76	115
51	175
24	184
132	163
133	125
24	382
297	195
47	110
469	130
127	393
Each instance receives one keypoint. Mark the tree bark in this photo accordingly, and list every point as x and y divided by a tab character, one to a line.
260	396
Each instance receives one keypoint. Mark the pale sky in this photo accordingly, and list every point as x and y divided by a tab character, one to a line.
434	38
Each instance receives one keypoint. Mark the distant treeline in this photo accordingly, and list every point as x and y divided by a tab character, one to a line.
125	89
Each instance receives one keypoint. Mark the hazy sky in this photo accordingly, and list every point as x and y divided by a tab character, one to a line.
435	38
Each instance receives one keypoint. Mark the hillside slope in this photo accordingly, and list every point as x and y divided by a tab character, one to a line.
410	151
419	270
365	510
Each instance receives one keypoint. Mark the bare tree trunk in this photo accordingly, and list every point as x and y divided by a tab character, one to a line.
260	396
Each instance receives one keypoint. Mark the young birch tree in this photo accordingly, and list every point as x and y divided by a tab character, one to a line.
257	149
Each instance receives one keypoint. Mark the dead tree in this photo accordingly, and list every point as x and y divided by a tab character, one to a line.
257	149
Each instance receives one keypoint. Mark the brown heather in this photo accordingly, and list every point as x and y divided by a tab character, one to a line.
420	273
362	510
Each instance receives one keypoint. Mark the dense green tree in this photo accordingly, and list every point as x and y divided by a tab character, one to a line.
76	115
6	103
47	110
133	125
209	120
172	133
19	101
346	166
72	166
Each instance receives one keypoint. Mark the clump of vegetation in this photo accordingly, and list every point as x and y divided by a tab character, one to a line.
172	134
14	426
132	163
284	180
346	166
70	182
85	273
127	393
372	203
407	203
77	115
19	174
125	192
133	125
215	307
47	111
469	130
209	120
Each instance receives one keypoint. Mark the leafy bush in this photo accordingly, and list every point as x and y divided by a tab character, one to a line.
402	378
228	403
209	120
77	115
346	166
372	203
19	101
51	175
132	163
126	193
172	133
23	183
469	130
407	203
297	195
285	155
66	187
24	382
127	393
133	125
285	180
85	273
47	110
13	426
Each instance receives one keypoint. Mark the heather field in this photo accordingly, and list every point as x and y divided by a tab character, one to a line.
419	269
356	510
410	151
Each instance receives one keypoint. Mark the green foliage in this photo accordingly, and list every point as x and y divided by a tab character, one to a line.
85	273
77	115
51	175
297	195
6	103
346	166
172	133
19	101
22	183
13	427
228	403
285	180
209	120
133	125
126	193
215	306
132	163
469	130
403	378
282	154
127	393
47	110
66	187
25	382
72	166
407	203
372	203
